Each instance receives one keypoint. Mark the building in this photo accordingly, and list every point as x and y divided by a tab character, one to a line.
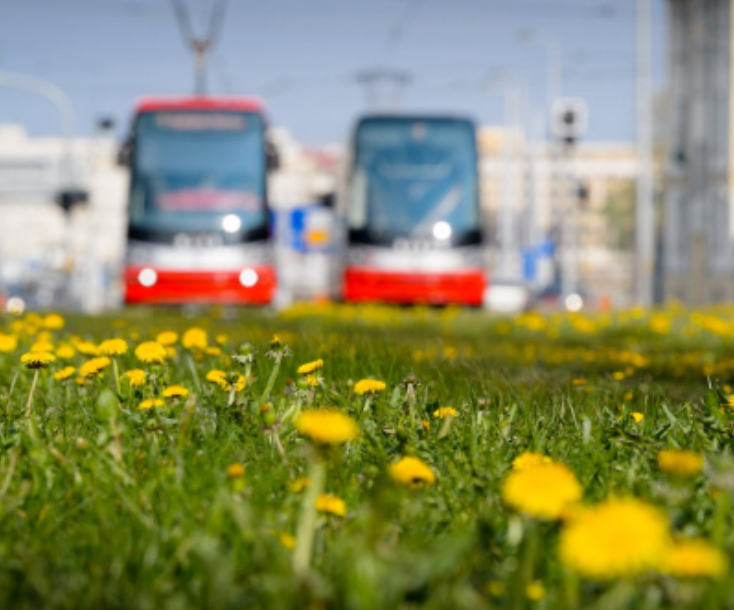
698	224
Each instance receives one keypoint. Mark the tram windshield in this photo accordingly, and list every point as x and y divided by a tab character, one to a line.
199	171
414	178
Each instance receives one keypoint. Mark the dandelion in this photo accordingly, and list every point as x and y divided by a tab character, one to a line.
615	539
151	403
37	360
113	347
680	462
65	352
53	321
368	386
412	472
312	381
221	379
329	503
42	346
580	381
87	348
167	338
235	471
445	412
151	352
694	558
221	339
310	367
175	391
8	343
530	459
287	540
195	339
299	484
543	491
638	417
213	351
93	368
618	375
535	591
326	427
64	373
136	377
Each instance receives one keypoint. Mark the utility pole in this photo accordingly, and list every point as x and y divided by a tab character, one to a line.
201	46
645	234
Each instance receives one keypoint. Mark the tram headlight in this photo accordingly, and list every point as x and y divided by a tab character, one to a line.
574	302
147	277
231	223
249	277
442	230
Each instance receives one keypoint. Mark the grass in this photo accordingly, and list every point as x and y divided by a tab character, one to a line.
108	506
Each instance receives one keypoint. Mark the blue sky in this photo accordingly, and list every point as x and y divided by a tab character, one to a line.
302	57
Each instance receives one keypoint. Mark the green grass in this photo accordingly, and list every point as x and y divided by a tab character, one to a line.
106	506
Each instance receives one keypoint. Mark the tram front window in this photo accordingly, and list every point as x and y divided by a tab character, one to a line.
414	179
199	171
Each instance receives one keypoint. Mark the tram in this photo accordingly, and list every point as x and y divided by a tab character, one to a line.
412	212
198	222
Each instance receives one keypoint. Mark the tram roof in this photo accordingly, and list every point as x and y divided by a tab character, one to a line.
203	102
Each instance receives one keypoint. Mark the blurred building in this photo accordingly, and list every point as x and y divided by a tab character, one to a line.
541	191
46	255
698	225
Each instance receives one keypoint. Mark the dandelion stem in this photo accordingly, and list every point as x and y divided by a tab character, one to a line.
117	375
306	529
271	379
29	403
194	374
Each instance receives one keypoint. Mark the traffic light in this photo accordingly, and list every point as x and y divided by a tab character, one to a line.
569	120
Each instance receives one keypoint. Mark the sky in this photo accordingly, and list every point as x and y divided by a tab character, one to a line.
305	58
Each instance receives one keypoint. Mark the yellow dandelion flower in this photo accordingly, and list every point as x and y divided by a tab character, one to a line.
65	352
579	381
175	391
327	427
220	378
312	381
113	347
369	386
170	351
310	367
167	337
299	484
287	540
276	342
329	503
53	321
680	462
426	425
235	471
543	491
618	375
87	348
694	559
638	417
64	373
151	403
94	367
615	539
8	343
213	351
535	591
195	338
42	346
151	352
412	472
445	412
530	459
221	339
37	360
136	377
